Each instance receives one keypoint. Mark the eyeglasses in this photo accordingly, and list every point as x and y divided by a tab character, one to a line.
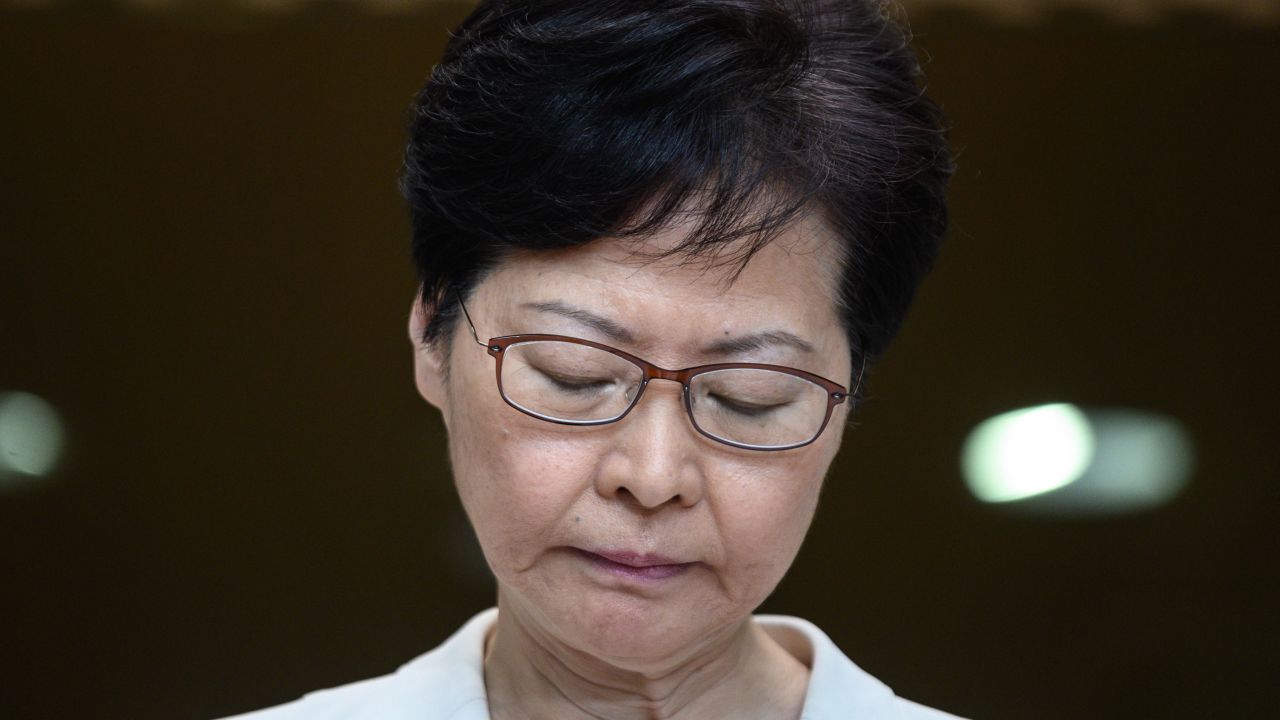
571	381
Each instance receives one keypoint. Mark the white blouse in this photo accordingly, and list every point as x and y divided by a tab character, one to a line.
447	683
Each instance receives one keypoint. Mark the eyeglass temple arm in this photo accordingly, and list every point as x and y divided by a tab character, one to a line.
467	315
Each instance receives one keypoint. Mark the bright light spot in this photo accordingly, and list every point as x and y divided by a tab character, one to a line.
1061	460
31	436
1027	452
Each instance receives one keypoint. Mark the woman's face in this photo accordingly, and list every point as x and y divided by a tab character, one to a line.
543	497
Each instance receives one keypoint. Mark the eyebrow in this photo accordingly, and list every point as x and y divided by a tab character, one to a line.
756	341
604	325
727	346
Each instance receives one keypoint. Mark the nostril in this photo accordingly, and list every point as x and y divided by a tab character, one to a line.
624	494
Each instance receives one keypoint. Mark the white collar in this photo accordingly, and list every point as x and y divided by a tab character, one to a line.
837	687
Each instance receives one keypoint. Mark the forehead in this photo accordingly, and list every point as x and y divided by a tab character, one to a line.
676	299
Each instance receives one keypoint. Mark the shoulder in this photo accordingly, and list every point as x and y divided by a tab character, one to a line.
446	683
838	688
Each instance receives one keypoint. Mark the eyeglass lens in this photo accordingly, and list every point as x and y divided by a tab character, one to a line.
572	383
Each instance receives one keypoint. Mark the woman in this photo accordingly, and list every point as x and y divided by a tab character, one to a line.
661	244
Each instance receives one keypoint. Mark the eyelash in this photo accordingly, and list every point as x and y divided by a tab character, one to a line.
743	409
568	383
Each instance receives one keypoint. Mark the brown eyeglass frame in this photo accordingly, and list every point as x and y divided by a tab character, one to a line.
497	346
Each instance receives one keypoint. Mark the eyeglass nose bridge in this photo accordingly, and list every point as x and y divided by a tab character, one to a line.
653	372
682	377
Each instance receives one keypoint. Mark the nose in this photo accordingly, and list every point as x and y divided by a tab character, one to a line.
654	457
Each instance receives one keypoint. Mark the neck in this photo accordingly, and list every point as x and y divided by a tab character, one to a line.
739	672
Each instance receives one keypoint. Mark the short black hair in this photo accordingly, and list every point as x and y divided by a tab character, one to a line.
553	123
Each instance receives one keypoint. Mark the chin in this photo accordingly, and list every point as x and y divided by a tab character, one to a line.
631	632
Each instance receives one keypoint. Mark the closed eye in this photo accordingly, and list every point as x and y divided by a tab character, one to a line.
744	408
575	384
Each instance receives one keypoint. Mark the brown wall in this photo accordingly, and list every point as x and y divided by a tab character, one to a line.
203	266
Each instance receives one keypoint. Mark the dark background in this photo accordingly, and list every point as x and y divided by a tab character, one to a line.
203	266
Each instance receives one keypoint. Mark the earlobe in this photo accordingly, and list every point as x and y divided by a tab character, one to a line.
428	362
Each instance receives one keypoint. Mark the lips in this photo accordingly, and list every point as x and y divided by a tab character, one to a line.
636	566
634	559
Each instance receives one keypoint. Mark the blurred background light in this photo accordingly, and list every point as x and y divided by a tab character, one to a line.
31	438
1060	459
1028	452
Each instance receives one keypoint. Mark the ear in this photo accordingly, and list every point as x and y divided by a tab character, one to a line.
429	362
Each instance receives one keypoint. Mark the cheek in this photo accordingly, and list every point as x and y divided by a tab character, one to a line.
764	525
517	491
